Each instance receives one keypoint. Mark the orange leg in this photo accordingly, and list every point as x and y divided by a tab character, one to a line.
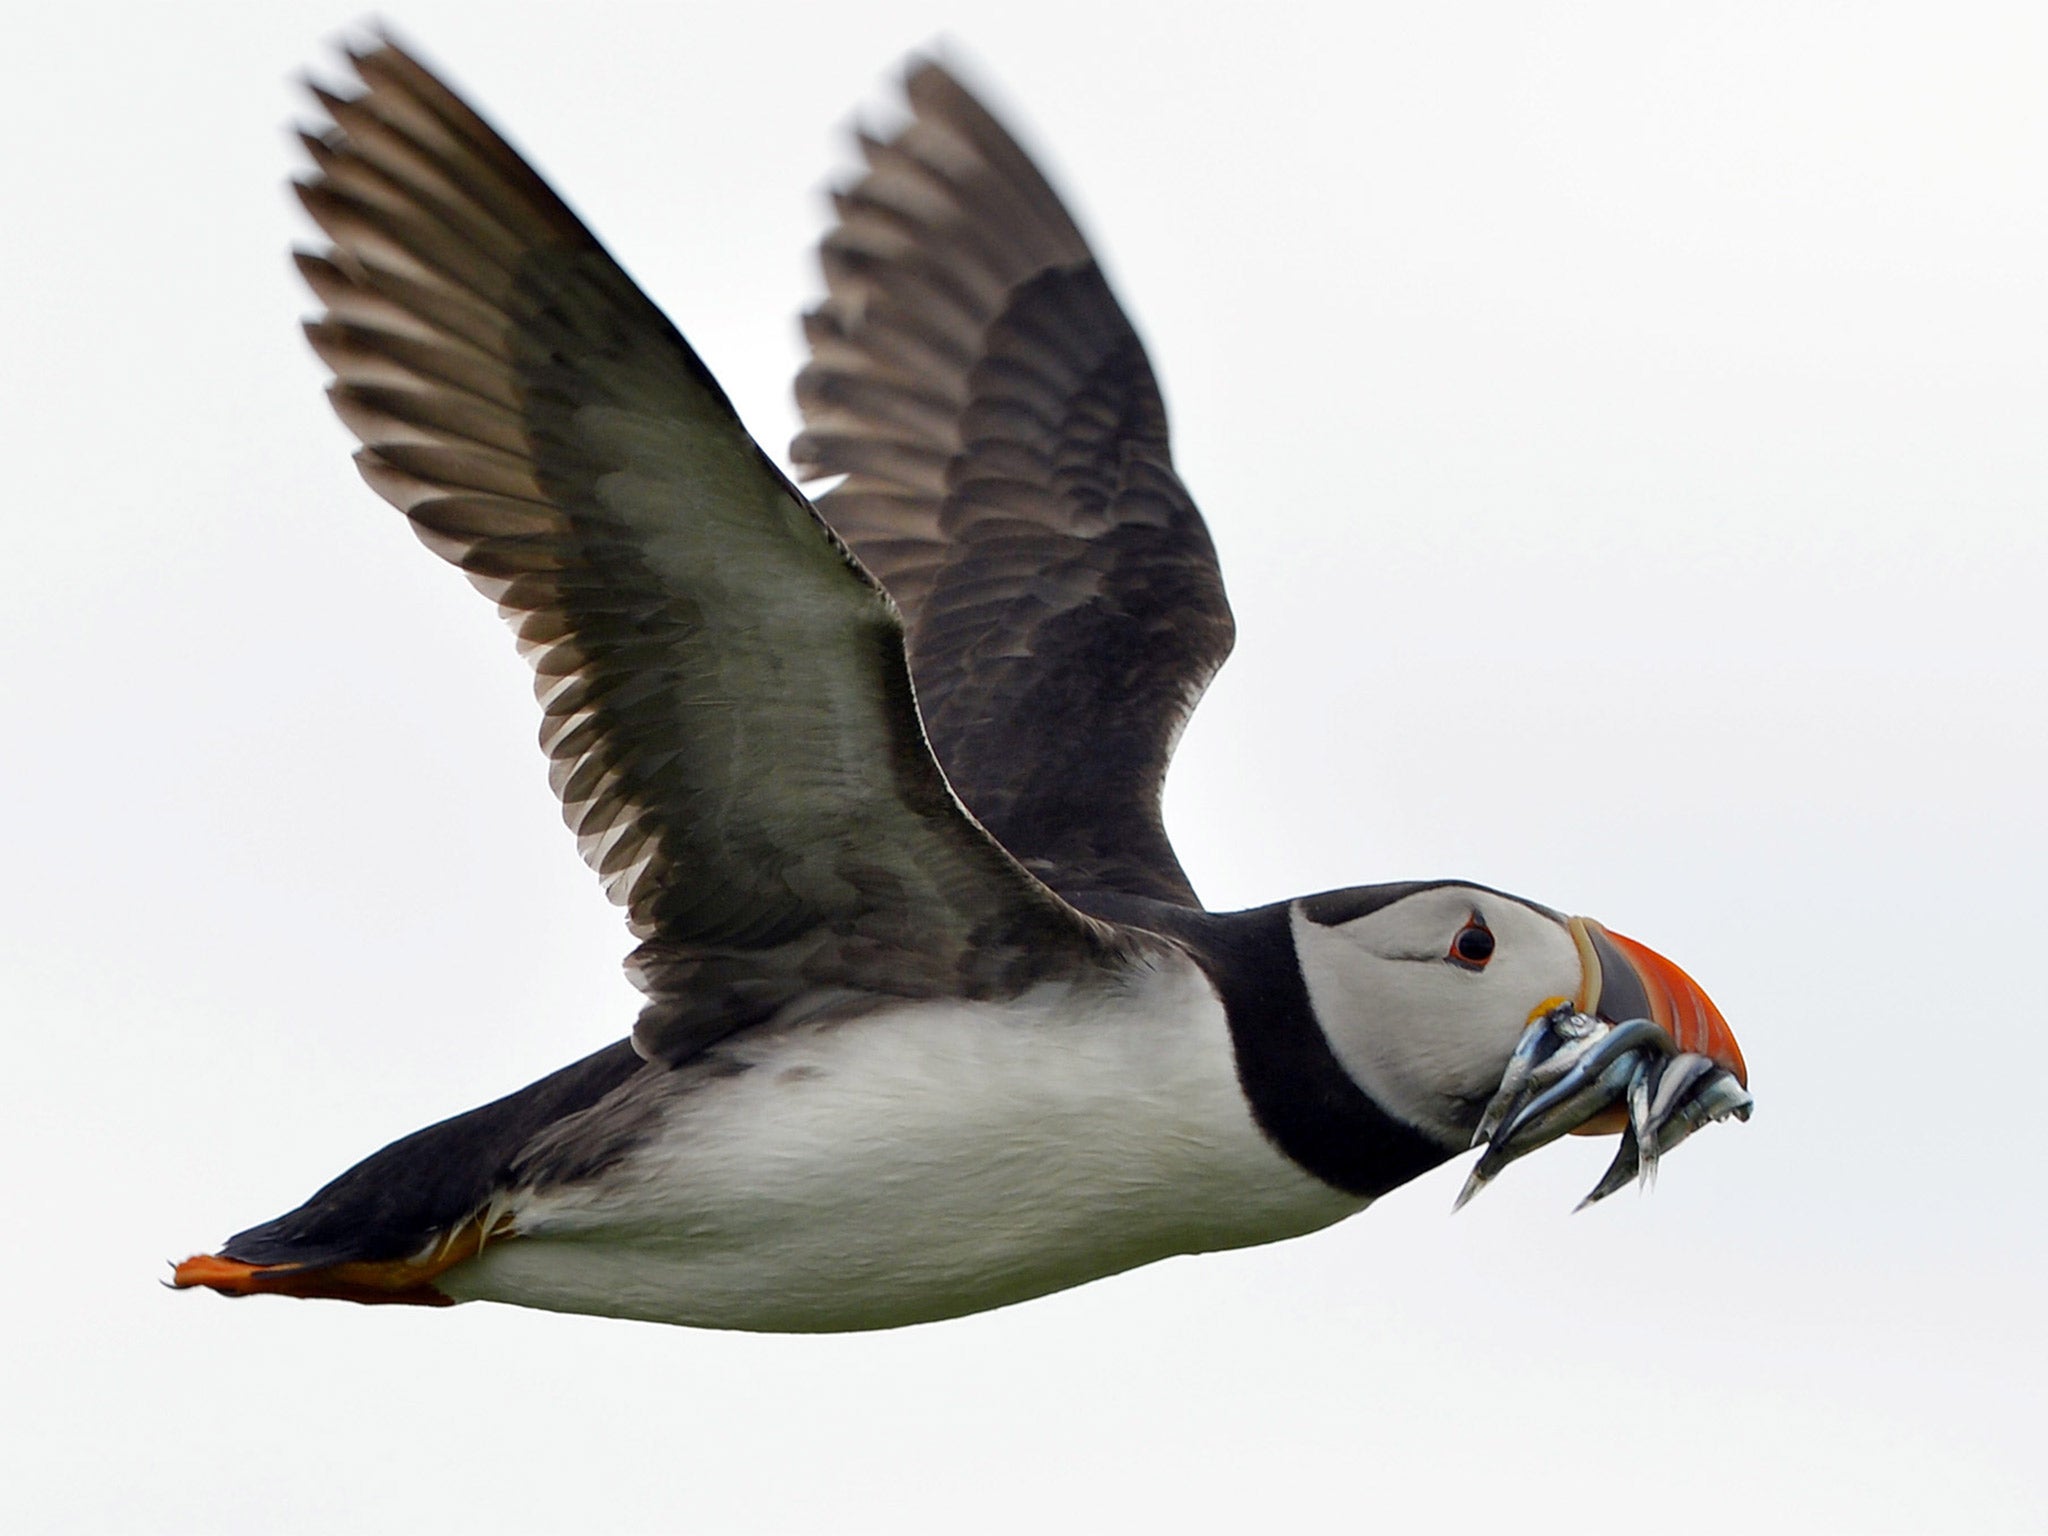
406	1282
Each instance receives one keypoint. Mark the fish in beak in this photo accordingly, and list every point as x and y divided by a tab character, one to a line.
1641	1049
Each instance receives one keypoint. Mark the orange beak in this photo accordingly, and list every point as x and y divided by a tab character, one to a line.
1627	980
1622	980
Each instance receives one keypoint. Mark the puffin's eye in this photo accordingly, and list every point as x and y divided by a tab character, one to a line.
1473	946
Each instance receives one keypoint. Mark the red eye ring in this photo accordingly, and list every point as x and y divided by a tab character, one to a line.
1472	946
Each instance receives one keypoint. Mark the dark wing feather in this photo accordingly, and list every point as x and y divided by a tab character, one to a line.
727	707
1009	481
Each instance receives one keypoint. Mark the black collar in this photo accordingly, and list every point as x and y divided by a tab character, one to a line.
1302	1098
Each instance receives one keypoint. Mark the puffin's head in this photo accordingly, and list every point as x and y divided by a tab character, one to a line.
1424	989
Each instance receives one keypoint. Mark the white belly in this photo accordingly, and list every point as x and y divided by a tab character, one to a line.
921	1163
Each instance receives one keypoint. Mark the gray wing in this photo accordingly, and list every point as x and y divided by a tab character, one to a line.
727	707
1009	482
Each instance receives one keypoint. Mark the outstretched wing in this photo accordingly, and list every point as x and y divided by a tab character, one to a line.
727	708
1009	481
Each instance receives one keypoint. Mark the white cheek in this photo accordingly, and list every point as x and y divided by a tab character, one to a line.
1427	1041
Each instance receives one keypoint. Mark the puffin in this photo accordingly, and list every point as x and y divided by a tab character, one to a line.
934	1020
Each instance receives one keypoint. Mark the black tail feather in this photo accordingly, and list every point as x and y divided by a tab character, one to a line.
395	1201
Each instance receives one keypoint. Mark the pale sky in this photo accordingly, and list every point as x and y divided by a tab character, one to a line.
1626	433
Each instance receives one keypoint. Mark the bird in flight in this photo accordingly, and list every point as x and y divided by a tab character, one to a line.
934	1020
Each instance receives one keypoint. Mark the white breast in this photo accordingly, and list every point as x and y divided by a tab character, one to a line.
921	1163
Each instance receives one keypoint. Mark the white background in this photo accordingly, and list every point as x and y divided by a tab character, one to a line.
1624	431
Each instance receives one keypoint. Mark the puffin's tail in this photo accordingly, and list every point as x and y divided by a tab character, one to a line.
386	1228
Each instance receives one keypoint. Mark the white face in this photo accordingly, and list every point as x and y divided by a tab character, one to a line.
1421	1010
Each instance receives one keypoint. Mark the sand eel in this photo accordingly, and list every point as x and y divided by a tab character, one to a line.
935	1021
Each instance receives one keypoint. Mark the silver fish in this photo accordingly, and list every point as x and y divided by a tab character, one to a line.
1569	1067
